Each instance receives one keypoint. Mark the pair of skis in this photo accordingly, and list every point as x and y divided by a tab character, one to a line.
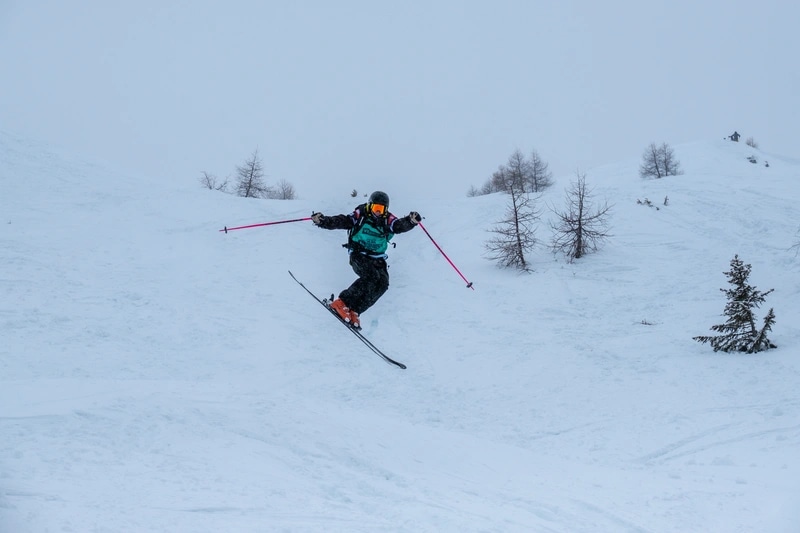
357	333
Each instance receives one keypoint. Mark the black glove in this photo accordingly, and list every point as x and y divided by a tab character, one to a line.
316	218
415	217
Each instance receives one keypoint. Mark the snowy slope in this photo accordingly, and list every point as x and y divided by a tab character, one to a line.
158	375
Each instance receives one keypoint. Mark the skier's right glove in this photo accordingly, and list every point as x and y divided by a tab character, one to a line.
316	218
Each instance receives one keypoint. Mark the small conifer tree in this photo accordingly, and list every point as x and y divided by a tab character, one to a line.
739	333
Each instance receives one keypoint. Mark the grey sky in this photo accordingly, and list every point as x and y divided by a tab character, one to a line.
414	97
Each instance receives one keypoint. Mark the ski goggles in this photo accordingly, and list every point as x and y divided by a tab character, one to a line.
377	209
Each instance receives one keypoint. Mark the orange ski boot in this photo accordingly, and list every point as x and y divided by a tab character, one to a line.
342	310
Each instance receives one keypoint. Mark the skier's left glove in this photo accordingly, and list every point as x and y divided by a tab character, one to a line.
415	217
316	218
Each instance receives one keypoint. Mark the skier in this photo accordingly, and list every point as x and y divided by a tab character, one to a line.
370	228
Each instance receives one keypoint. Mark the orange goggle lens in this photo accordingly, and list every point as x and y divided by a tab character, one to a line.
378	209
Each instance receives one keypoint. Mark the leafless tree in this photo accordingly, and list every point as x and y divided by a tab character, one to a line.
659	161
515	235
210	181
528	174
672	167
497	182
539	177
651	164
283	191
250	178
579	230
515	173
751	142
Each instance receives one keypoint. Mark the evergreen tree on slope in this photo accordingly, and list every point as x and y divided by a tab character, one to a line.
739	333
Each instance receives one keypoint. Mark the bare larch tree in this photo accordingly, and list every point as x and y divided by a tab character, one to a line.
515	235
659	161
539	176
532	175
250	179
515	173
209	181
579	230
283	191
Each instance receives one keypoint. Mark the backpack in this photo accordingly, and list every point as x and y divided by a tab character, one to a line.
370	235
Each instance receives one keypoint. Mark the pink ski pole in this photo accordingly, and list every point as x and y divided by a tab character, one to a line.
469	283
226	229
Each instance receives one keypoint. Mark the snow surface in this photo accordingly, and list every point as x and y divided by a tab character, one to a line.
159	375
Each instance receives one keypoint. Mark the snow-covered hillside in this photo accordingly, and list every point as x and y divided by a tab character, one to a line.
158	375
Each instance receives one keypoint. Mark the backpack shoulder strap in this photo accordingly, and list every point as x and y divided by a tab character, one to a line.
358	220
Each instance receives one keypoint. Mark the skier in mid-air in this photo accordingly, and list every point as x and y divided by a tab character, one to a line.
370	228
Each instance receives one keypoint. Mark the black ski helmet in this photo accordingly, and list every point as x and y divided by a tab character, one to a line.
379	197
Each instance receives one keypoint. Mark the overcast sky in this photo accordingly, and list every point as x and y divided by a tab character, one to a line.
411	97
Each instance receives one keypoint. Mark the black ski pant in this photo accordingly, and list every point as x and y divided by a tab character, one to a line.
372	282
